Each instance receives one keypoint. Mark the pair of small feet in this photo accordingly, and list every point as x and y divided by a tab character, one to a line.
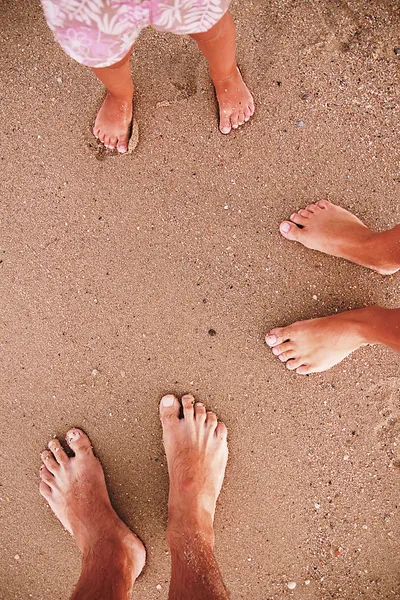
197	452
319	344
113	123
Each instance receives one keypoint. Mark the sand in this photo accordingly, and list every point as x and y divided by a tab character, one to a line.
113	271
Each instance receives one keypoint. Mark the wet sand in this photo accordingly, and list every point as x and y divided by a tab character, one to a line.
113	270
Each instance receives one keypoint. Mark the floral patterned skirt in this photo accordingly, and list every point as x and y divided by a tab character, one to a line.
99	33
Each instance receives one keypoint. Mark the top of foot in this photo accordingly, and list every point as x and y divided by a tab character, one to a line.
113	123
236	104
334	230
75	490
197	452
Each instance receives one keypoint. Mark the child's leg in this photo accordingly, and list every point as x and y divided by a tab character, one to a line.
218	45
113	121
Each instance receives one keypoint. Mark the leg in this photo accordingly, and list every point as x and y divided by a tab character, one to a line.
197	453
112	556
331	229
113	122
319	344
218	45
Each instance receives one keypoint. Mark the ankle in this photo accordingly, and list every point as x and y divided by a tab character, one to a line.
187	524
220	77
123	97
375	248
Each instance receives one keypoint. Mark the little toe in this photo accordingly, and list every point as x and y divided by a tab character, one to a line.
225	122
212	420
58	452
247	113
241	117
46	476
290	231
303	212
312	208
78	441
294	363
45	490
252	108
324	203
113	142
188	406
200	412
221	431
299	220
304	370
49	461
169	409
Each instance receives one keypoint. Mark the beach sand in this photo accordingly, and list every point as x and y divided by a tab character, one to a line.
113	271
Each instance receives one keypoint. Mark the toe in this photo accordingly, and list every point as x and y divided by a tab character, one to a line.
234	120
241	117
324	203
251	108
313	208
290	231
46	476
212	420
78	441
224	122
247	113
188	406
294	363
221	431
304	370
284	356
113	142
49	461
122	145
277	336
58	452
45	490
299	220
303	212
200	412
169	409
285	347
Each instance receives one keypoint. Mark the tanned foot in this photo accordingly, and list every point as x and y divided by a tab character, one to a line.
197	452
319	344
334	230
236	104
113	122
76	492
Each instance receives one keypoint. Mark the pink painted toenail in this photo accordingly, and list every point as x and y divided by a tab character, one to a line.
167	401
285	227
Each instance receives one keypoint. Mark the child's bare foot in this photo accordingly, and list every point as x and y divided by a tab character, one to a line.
113	122
236	104
319	344
197	453
76	492
333	230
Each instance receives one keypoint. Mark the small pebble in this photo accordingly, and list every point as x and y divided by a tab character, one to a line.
158	587
17	557
59	80
299	123
95	372
307	582
291	585
317	506
396	51
346	457
212	332
306	96
315	297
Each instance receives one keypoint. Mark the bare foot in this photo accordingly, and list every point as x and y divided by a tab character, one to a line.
113	122
197	452
76	492
318	344
236	104
334	230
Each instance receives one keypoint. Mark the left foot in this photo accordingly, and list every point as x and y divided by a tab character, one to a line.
236	104
76	492
318	344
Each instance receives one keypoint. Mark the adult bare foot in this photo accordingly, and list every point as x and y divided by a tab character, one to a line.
333	230
319	344
113	122
236	104
197	452
76	492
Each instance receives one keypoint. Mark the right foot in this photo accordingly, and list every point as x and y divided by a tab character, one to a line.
334	230
113	122
76	492
197	452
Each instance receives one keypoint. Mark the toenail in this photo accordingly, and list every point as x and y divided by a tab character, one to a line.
270	339
199	404
73	435
275	351
122	149
285	227
167	400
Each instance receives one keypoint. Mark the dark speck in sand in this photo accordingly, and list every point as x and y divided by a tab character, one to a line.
396	51
212	332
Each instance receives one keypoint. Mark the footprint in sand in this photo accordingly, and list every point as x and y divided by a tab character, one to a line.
387	431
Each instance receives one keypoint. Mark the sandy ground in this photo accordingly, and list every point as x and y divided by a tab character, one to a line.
114	269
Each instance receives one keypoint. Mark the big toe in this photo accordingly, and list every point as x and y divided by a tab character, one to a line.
290	231
225	122
169	409
78	441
